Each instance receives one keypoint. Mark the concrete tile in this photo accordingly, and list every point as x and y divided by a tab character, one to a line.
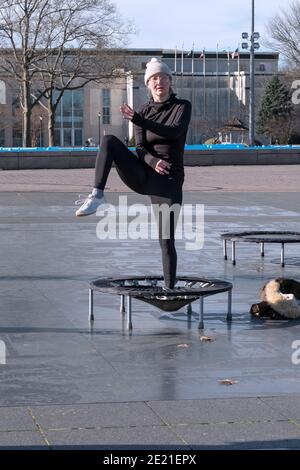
247	435
111	437
213	411
16	419
59	381
21	440
95	415
288	407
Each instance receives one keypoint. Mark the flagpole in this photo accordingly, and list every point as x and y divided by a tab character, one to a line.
182	69
193	95
217	86
204	90
252	83
239	86
175	66
193	58
228	90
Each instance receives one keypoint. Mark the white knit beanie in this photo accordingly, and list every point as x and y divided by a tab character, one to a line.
156	66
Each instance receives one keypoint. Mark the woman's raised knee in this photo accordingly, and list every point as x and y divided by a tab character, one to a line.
110	140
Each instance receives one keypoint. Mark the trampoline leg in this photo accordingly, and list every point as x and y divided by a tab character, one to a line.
122	304
233	253
201	311
91	305
262	249
282	255
225	249
229	306
129	318
189	309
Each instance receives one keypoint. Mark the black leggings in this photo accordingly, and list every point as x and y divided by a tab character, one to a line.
141	178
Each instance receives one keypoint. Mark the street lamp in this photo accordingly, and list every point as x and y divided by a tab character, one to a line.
253	46
41	130
99	127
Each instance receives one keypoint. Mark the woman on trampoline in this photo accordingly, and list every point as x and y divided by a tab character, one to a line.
160	129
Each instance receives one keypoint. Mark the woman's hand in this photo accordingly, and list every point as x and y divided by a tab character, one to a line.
160	166
126	111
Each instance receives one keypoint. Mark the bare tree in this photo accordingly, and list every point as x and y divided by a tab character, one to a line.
284	31
3	122
70	70
48	48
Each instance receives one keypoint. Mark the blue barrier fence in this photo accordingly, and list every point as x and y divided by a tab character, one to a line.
187	147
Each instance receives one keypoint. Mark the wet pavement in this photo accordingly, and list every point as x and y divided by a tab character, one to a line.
67	383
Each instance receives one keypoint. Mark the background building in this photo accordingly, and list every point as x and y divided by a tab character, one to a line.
217	84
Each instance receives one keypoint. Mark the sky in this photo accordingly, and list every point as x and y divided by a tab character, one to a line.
206	23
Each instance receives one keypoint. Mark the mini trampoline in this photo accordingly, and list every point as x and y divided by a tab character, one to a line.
150	289
261	238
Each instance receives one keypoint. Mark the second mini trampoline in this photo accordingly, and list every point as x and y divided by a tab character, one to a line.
261	237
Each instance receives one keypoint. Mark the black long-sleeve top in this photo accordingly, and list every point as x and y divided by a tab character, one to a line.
160	131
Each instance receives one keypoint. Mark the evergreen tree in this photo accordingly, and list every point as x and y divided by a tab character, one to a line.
275	115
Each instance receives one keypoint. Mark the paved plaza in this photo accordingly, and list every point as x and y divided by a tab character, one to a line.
67	384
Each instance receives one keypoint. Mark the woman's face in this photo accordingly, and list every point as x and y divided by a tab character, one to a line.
159	85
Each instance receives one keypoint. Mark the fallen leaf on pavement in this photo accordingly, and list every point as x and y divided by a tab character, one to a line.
182	346
207	338
228	382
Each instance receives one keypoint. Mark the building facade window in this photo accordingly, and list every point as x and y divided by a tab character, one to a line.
17	135
2	137
105	105
17	120
262	67
69	120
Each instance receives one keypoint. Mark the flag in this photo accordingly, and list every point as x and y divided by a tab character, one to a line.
202	54
191	52
235	54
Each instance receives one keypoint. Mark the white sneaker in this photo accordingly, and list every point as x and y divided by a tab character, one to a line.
90	205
